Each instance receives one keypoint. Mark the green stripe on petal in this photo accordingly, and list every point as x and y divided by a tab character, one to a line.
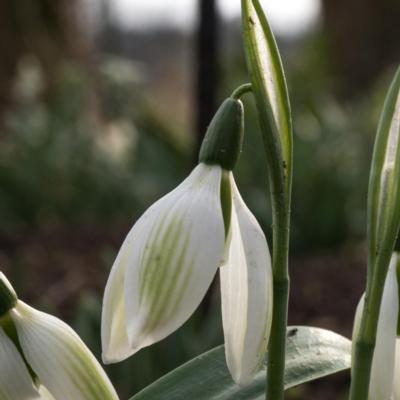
115	344
15	381
173	263
62	362
246	293
114	338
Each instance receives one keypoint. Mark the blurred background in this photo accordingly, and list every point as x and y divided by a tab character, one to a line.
103	105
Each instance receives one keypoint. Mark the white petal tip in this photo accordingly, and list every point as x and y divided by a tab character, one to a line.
108	358
243	381
113	355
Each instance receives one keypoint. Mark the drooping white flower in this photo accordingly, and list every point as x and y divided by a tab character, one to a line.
165	266
41	357
384	382
171	255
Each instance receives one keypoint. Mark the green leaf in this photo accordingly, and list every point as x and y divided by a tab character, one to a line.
270	90
311	353
384	184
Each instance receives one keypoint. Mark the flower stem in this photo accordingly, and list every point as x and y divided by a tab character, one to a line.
366	338
277	342
362	369
241	90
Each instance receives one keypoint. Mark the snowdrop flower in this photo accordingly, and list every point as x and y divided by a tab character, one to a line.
170	257
43	358
386	359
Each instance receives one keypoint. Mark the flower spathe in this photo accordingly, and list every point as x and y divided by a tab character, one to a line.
41	357
385	370
172	253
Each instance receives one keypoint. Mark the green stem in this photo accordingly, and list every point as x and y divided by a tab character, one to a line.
241	90
362	370
366	338
277	343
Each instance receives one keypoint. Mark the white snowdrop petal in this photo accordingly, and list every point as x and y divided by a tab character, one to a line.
174	261
45	394
396	381
15	380
114	336
246	290
62	362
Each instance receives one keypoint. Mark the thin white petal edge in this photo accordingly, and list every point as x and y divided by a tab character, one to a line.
173	262
246	293
45	394
382	371
396	381
62	362
15	381
114	337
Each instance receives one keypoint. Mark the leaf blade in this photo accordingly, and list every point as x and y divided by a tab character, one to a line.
270	89
384	184
207	378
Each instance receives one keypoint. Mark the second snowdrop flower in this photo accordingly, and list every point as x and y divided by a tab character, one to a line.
170	256
41	357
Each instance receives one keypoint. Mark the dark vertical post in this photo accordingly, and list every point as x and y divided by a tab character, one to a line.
207	66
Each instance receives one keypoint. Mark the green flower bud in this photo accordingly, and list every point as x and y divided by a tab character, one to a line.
222	144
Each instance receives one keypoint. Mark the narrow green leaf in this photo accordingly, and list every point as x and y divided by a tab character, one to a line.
311	353
384	184
270	90
272	100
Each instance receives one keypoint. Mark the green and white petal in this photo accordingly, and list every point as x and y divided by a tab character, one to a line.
114	337
246	291
59	358
396	380
174	258
115	344
382	371
15	380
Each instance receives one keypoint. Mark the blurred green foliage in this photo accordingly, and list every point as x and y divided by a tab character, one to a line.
59	163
